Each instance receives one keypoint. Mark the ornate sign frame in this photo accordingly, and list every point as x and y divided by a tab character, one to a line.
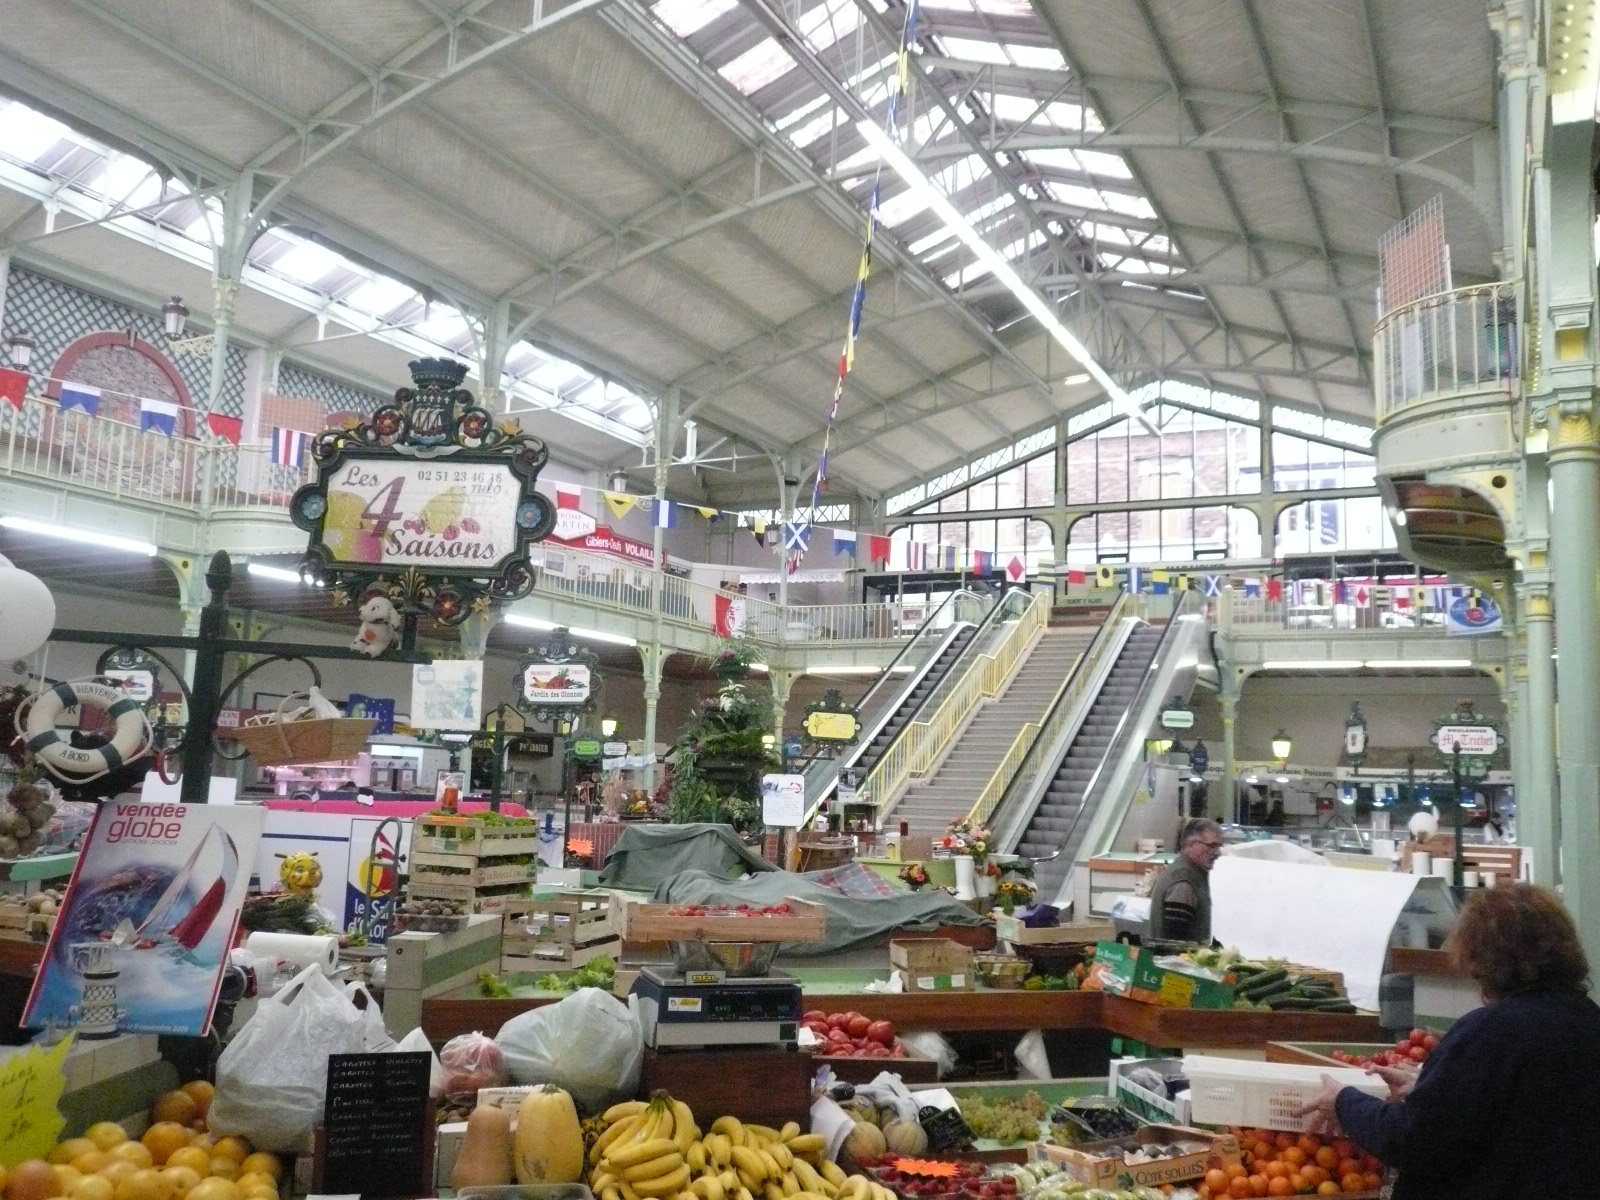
558	650
826	720
479	514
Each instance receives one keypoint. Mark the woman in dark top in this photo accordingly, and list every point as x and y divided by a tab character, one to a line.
1506	1107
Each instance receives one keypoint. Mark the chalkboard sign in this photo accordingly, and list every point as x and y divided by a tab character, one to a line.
377	1126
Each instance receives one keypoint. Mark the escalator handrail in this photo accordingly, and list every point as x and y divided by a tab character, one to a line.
1118	739
1087	663
940	691
832	766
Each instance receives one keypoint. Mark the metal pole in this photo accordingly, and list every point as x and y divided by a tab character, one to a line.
498	749
200	742
666	434
1538	802
1458	821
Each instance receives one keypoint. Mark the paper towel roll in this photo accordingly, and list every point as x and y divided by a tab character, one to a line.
297	948
1421	862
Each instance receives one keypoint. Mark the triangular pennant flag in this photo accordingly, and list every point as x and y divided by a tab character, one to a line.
844	542
1252	588
229	429
710	514
1104	577
666	514
620	503
79	395
13	386
161	416
878	548
1274	589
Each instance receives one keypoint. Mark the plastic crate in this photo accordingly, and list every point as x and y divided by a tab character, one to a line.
1151	1106
1228	1091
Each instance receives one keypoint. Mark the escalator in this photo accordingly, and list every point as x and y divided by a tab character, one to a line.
902	690
1077	779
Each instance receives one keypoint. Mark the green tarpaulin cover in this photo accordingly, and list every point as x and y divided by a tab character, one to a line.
647	855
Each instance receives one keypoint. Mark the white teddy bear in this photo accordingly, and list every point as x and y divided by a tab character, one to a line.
380	624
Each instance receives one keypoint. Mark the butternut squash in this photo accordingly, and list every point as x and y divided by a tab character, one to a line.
485	1159
548	1144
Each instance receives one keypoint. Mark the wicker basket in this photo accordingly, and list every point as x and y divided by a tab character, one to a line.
1000	970
278	739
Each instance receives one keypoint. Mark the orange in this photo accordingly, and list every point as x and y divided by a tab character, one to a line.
1374	1181
1327	1188
182	1179
1298	1182
1264	1150
136	1153
1239	1188
1258	1185
164	1139
213	1189
224	1168
1354	1182
1294	1156
34	1179
70	1149
1235	1171
235	1148
106	1134
91	1163
1314	1174
92	1187
1309	1143
177	1107
1203	1191
201	1093
148	1184
1275	1170
262	1163
1348	1167
1327	1157
1216	1180
196	1159
1283	1141
118	1170
1279	1186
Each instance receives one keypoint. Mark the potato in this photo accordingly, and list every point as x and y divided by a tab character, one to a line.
8	846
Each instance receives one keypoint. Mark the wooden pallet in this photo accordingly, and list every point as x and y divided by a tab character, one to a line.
807	922
480	872
467	894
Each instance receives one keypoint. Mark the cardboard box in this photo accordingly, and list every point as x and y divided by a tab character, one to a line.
1136	976
1011	929
933	964
1102	1164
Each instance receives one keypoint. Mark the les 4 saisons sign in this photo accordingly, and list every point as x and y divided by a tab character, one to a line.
429	503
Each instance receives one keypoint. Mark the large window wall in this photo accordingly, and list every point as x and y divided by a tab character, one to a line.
1156	535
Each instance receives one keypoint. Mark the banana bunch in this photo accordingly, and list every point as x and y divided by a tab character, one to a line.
655	1151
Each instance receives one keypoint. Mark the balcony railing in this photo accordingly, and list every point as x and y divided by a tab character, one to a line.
1255	614
1458	343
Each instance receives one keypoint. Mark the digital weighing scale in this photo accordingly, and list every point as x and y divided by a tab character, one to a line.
706	1008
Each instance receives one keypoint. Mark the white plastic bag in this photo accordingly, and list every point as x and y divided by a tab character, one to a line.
1033	1062
271	1079
931	1045
589	1043
416	1042
375	1037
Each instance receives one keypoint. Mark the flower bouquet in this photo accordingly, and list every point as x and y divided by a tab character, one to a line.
914	876
1012	894
963	837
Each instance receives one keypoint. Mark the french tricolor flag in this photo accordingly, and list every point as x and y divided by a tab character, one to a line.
289	447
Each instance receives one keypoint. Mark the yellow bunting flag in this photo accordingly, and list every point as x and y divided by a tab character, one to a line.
1104	577
620	503
710	514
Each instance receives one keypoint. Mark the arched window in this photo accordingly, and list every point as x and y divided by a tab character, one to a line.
1325	526
1156	535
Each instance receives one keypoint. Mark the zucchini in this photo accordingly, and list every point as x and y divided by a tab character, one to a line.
1335	1006
1266	981
1299	1003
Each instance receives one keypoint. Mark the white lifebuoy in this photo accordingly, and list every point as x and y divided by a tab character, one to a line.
53	748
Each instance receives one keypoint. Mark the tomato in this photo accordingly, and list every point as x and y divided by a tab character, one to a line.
881	1032
1418	1054
1430	1042
858	1025
815	1014
838	1021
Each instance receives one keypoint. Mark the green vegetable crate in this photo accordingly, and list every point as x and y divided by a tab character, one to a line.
477	837
1135	975
558	933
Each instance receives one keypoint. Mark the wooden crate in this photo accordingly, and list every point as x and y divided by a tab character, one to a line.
853	1069
480	872
472	837
933	964
559	933
807	922
1012	929
467	894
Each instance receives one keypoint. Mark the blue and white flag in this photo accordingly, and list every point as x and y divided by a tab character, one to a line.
79	395
1135	580
796	536
844	543
666	514
1212	585
158	415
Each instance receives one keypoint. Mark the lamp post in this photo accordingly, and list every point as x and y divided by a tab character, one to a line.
174	316
19	348
608	726
1282	747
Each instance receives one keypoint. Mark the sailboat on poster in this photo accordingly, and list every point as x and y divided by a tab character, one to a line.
185	913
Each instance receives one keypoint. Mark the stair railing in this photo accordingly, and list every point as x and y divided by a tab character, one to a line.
921	741
1062	704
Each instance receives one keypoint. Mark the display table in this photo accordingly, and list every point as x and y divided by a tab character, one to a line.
463	1010
40	867
601	835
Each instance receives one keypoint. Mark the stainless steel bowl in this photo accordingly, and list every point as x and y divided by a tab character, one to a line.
738	960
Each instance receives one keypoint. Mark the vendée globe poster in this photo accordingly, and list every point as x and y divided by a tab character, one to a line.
143	935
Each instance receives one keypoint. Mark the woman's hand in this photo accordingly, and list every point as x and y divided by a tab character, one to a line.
1400	1079
1321	1114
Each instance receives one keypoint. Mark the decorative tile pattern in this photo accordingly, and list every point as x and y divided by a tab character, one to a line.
333	396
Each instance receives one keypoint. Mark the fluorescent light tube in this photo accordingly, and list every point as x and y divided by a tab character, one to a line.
45	529
761	668
528	622
922	189
599	635
1309	664
844	669
1074	380
1402	664
281	574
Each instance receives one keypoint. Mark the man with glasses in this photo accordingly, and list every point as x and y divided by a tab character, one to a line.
1180	902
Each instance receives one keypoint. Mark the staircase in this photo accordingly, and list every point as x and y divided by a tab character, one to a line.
949	792
914	699
1055	824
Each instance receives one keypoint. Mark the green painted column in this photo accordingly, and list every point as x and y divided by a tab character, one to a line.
1538	805
1575	559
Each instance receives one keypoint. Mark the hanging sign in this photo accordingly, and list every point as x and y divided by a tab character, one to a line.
831	719
556	683
558	679
1474	740
1471	614
586	748
429	503
1177	718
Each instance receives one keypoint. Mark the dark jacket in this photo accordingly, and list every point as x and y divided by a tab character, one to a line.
1180	904
1504	1109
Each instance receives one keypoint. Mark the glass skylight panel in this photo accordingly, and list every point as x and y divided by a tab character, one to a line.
976	49
378	297
26	134
306	263
685	17
1098	162
828	22
1129	206
1046	58
758	66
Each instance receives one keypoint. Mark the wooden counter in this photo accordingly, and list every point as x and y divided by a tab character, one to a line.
443	1017
20	957
1421	962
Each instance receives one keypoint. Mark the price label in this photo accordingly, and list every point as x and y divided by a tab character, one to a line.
1176	991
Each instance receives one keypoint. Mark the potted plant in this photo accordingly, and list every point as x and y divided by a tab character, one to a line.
732	659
